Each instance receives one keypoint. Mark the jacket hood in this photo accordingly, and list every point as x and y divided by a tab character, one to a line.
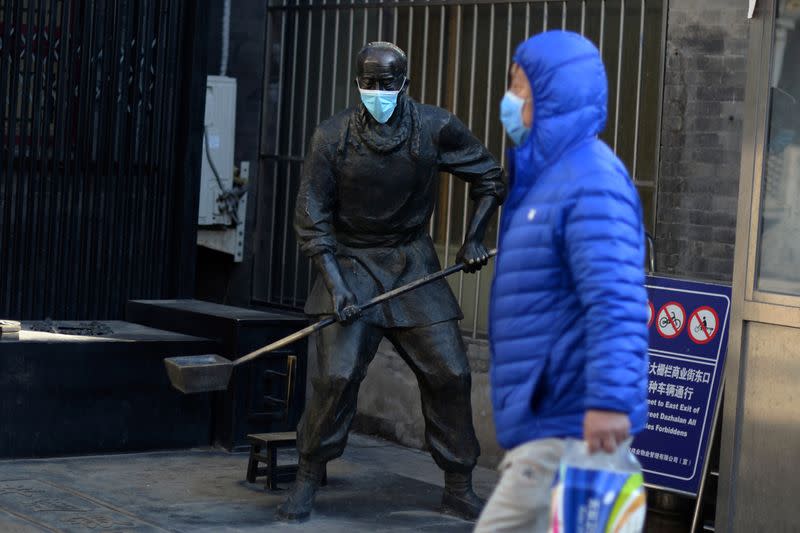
570	94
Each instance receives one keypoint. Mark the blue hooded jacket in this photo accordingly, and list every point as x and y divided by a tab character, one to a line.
568	311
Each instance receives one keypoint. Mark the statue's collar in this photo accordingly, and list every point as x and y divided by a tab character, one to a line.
387	137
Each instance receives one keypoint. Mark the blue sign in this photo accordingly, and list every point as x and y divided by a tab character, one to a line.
688	342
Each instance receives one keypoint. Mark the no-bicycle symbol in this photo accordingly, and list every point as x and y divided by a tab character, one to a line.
703	325
650	313
670	320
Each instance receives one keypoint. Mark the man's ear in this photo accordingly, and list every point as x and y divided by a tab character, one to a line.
406	84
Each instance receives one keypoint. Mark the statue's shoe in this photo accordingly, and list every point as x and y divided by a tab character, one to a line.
298	505
459	499
300	502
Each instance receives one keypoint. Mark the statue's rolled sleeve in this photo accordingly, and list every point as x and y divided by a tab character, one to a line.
313	216
464	156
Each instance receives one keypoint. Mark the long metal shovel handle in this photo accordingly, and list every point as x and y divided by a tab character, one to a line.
325	322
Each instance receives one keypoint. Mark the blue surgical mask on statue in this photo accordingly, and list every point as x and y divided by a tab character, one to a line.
511	117
380	104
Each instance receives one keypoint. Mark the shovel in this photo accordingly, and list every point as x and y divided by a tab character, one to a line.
207	373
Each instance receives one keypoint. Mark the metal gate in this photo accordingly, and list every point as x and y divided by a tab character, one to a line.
98	137
458	52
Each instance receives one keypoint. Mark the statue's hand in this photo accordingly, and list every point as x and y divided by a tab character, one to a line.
474	255
345	305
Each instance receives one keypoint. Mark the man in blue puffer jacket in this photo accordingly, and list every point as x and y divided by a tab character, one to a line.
568	317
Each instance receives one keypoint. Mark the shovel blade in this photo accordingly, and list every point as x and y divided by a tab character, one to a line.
199	373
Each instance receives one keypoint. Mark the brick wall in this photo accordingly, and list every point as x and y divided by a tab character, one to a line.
701	138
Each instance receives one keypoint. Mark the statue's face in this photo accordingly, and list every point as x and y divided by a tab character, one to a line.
380	69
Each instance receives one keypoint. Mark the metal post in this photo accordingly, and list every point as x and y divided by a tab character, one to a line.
545	16
276	151
289	150
698	507
410	50
366	25
602	24
470	115
455	111
508	58
425	30
619	71
634	166
442	18
350	54
527	25
52	115
440	64
583	17
306	83
486	127
166	136
380	21
40	130
395	17
335	60
320	74
509	27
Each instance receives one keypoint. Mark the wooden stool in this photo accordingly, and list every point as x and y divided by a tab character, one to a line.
274	473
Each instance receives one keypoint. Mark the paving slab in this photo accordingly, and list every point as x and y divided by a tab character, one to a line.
376	486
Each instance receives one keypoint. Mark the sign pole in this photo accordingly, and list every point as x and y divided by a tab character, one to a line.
698	506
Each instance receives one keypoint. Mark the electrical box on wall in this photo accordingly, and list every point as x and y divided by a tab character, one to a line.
220	125
223	202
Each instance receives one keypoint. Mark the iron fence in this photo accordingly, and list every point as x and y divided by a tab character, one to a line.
458	53
97	99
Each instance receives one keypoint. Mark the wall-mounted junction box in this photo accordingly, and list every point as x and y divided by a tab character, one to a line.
218	230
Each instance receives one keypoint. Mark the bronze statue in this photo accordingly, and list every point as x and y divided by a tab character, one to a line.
368	189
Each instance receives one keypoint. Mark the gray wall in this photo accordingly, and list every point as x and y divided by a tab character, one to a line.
701	138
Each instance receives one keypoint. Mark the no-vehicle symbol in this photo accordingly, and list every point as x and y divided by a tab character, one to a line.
651	311
703	325
671	319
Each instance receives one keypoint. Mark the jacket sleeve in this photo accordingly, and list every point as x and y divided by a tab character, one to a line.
316	198
604	244
462	155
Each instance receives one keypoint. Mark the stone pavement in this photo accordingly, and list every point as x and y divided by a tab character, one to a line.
376	486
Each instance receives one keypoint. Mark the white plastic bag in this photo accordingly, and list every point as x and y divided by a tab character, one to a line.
598	493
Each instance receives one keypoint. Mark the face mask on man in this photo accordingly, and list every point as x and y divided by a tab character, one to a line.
511	117
380	104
